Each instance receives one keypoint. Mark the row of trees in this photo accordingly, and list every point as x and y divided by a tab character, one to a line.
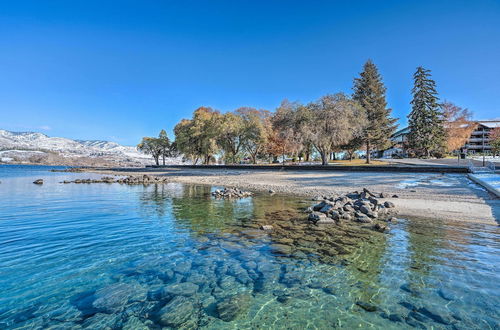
333	123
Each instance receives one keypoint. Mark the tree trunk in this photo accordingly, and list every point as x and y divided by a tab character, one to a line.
157	160
350	156
163	160
368	151
324	158
307	156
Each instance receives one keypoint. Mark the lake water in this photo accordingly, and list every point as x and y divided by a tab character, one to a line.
110	256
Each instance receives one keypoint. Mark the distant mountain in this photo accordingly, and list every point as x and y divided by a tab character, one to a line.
33	147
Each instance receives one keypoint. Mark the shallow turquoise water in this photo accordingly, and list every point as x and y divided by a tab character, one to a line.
114	256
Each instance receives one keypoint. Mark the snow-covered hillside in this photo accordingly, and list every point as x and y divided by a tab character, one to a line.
11	143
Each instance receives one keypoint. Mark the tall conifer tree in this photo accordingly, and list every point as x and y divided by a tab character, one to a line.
425	121
369	91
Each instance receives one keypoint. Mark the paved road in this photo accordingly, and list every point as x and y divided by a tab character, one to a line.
444	161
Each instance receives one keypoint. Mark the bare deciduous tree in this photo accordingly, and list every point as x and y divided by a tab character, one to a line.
335	120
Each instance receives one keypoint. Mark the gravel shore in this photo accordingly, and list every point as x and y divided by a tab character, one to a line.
424	195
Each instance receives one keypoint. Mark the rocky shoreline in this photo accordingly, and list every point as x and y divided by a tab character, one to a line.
421	195
130	180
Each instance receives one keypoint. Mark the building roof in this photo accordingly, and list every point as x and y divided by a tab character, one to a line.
489	123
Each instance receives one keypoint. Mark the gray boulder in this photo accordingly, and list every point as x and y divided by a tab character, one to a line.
365	209
348	208
363	219
316	216
335	215
346	216
38	181
319	206
327	208
389	205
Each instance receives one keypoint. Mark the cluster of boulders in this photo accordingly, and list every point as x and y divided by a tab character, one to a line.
230	193
132	180
362	207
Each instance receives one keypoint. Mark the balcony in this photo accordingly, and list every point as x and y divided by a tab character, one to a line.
475	139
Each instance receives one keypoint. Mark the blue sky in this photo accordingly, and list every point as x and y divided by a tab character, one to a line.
120	70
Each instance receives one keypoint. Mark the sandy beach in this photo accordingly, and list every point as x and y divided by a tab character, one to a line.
426	195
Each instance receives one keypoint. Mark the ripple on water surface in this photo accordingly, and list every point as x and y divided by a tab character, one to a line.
133	257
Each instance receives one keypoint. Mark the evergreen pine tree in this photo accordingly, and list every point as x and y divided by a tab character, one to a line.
425	121
164	144
369	91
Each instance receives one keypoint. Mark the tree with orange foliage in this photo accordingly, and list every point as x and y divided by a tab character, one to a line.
495	141
276	145
286	137
458	125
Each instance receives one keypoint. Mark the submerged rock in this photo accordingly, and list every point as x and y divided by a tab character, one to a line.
103	321
439	317
366	306
134	323
232	307
182	289
114	297
281	248
178	311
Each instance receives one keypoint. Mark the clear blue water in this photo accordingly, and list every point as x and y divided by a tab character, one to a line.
110	256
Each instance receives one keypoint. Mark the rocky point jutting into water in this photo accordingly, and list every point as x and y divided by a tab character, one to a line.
131	180
364	207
